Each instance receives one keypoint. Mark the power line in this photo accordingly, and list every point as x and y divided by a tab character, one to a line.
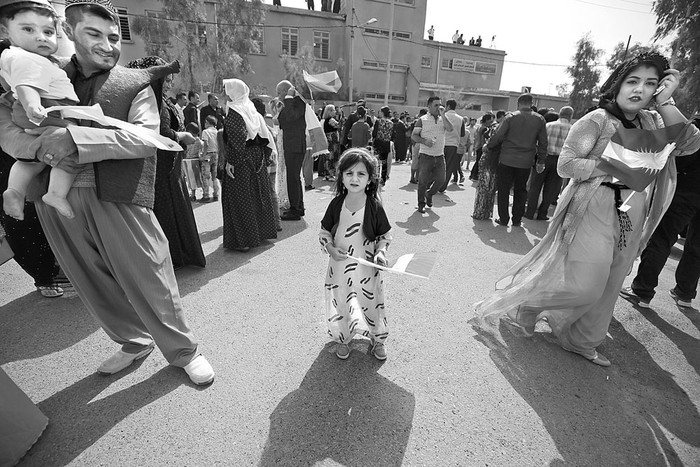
613	7
636	3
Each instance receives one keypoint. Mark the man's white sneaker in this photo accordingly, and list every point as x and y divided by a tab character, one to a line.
121	360
200	371
679	301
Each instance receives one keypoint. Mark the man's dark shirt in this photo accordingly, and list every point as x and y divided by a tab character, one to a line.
208	110
190	113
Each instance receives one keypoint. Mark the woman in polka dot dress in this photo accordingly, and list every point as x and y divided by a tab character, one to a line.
355	224
248	214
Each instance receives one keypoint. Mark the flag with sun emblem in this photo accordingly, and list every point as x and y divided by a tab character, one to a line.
635	156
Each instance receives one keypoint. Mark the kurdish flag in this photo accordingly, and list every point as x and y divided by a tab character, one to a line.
635	156
412	264
323	82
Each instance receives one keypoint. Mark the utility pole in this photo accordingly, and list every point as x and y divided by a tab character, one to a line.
388	61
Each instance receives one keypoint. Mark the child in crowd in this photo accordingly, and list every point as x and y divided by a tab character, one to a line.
28	68
209	159
192	155
355	224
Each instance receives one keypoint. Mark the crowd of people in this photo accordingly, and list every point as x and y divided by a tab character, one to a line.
124	222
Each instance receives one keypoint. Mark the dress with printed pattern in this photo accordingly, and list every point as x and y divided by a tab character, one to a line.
354	293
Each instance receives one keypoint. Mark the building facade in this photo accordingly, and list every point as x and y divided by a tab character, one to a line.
356	43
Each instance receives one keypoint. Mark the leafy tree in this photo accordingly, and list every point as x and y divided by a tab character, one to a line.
683	18
618	55
212	40
584	74
562	90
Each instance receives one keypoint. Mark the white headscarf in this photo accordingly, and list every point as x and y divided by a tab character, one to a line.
255	124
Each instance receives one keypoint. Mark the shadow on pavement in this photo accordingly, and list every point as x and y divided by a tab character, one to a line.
535	227
222	261
409	187
210	235
420	224
689	345
344	411
507	239
623	415
76	421
33	326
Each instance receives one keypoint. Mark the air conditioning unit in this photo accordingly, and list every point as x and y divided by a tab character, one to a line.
526	89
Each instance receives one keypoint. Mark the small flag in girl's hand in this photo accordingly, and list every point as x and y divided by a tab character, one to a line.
412	264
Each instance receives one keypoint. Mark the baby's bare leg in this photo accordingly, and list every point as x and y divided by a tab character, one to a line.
21	174
60	183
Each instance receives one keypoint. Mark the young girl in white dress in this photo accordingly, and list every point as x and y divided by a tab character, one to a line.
355	225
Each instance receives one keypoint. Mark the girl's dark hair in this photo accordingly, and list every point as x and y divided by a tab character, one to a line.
351	157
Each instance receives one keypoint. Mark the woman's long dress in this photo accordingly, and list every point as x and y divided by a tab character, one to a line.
172	205
26	237
333	140
486	185
354	293
246	201
573	276
400	143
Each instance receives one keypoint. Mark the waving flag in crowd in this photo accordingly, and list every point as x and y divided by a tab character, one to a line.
636	156
323	82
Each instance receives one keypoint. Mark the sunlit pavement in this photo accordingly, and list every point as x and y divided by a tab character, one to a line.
448	395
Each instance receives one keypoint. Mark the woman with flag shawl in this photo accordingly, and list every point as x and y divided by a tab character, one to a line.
246	202
573	276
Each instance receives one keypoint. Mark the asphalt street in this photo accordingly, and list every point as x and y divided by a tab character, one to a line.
449	394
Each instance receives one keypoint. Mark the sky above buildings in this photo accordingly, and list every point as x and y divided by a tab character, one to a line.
538	36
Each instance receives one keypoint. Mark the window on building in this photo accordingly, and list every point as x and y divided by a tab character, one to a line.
197	30
382	65
290	41
158	31
258	36
426	62
473	107
407	2
447	63
385	33
322	45
379	96
202	34
124	24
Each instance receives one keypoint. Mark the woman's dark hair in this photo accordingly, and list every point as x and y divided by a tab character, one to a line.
612	85
351	157
386	111
487	117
